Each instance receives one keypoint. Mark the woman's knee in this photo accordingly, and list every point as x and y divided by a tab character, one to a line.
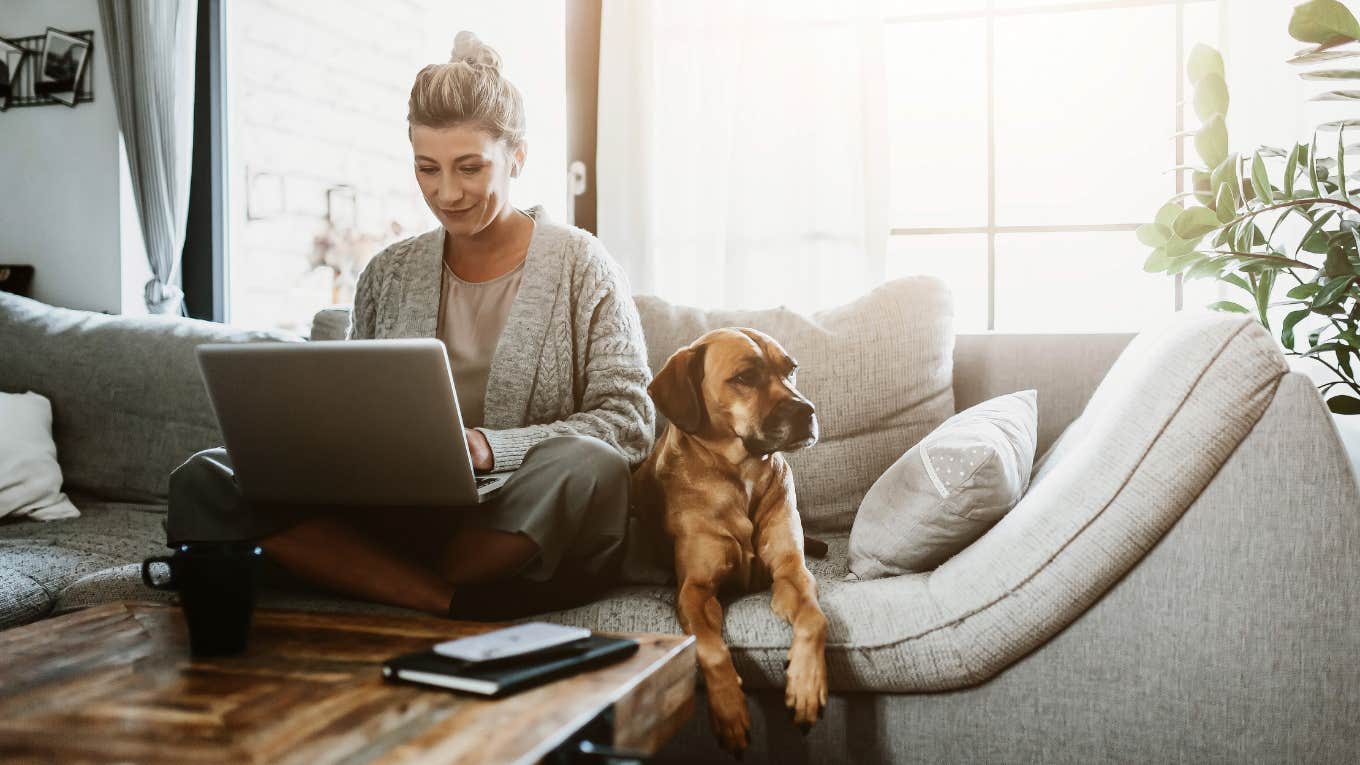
207	468
586	457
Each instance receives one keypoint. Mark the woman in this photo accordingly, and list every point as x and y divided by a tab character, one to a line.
549	365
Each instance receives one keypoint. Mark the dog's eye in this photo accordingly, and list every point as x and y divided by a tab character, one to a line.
745	378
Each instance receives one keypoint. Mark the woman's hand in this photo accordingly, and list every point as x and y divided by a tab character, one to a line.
480	450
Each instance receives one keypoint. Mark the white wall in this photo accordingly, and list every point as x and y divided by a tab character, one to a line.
59	199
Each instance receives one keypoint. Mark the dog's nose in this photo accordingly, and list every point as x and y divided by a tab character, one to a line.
799	409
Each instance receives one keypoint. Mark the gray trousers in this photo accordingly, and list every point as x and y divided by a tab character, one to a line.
570	496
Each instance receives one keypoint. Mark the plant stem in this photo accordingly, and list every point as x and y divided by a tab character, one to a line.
1291	203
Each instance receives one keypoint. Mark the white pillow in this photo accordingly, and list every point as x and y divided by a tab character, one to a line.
947	490
30	478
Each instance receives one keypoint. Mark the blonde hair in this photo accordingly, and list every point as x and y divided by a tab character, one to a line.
469	88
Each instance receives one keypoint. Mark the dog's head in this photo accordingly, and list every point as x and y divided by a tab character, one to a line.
736	382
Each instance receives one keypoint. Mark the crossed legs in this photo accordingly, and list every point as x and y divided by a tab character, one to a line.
333	554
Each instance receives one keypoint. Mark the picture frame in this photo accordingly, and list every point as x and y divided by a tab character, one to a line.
12	59
60	66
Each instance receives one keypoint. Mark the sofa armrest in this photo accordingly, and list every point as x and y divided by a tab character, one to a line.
1247	609
1064	368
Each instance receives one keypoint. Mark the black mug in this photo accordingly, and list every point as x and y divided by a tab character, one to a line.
216	585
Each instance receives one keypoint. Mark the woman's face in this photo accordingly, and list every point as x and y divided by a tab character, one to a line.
464	174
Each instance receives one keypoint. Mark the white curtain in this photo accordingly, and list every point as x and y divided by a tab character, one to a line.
150	47
741	160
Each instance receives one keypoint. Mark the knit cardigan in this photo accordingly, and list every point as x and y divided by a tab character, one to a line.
571	359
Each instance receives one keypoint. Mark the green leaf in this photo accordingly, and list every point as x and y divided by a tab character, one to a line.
1341	163
1315	350
1153	234
1228	306
1324	22
1331	74
1313	167
1331	292
1263	289
1316	55
1344	404
1211	96
1236	281
1199	181
1180	263
1156	262
1176	246
1195	222
1223	205
1166	214
1211	142
1260	182
1206	267
1303	291
1203	60
1290	167
1287	330
1337	95
1337	263
1315	239
1225	172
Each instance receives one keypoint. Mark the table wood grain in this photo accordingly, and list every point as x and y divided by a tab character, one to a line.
115	683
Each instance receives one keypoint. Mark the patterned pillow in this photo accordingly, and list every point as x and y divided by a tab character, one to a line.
946	491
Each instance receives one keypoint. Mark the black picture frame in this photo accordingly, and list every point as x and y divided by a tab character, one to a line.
13	56
58	77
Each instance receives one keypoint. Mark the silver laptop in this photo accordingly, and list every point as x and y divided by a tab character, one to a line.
343	422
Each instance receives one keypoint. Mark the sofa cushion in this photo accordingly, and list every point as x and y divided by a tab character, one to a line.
946	491
878	369
40	561
128	404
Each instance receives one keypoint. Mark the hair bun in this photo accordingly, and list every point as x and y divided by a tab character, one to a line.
469	48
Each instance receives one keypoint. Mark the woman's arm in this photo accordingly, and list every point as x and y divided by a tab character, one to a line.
364	314
615	406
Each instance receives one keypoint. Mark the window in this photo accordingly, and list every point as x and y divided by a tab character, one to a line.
318	164
1035	138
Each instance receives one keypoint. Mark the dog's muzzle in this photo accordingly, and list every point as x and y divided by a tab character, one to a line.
791	425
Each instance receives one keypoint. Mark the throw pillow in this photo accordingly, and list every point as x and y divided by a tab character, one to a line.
947	490
30	478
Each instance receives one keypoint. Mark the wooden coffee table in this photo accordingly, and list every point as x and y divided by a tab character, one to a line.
115	683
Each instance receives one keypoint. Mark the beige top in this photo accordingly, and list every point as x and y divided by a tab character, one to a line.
471	317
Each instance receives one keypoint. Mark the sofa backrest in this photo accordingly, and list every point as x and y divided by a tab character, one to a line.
128	405
878	369
1064	368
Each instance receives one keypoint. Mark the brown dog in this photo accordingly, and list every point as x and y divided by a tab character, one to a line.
727	502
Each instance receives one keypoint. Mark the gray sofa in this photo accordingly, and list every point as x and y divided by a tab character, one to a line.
1182	581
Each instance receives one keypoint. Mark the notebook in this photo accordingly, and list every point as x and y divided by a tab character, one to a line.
506	676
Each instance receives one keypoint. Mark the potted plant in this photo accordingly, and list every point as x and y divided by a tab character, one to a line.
1231	228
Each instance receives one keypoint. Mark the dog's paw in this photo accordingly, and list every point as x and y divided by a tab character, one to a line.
729	717
805	689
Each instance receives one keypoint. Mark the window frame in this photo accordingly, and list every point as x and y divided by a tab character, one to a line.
990	13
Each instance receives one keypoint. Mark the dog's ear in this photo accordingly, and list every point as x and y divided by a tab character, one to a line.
675	389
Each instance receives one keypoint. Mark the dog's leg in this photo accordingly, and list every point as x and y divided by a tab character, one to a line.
700	566
794	599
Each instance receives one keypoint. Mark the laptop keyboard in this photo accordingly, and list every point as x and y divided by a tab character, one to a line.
484	481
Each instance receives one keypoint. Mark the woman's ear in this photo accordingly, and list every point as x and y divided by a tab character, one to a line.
517	158
676	389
